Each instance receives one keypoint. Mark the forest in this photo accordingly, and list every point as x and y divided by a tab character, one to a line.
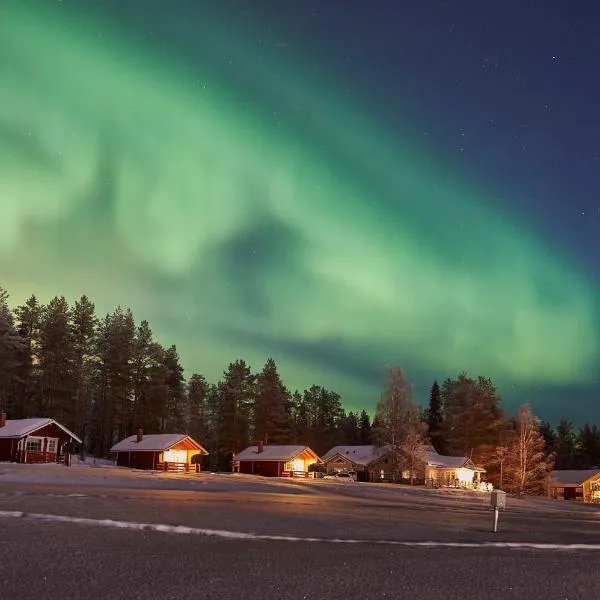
105	377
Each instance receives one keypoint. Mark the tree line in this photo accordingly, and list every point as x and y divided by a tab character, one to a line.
464	417
105	377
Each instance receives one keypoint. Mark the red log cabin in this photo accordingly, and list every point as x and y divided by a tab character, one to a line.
275	461
159	452
34	440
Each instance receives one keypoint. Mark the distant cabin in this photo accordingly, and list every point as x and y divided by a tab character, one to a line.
374	463
275	461
582	485
159	452
38	440
443	470
369	462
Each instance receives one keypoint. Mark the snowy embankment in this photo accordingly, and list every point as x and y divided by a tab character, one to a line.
90	472
103	473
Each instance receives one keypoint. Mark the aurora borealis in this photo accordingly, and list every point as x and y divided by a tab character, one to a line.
241	196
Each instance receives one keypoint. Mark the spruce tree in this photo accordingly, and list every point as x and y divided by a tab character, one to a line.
56	363
198	410
364	428
235	395
272	422
176	398
83	330
28	317
435	418
12	355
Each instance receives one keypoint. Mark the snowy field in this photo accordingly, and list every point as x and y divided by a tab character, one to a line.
103	473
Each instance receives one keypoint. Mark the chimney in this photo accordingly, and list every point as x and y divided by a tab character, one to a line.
2	419
261	447
140	435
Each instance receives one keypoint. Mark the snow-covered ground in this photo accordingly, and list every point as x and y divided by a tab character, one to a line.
89	472
104	473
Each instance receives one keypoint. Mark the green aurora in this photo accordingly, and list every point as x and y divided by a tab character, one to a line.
248	210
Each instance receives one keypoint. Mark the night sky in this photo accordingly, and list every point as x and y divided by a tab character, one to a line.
341	185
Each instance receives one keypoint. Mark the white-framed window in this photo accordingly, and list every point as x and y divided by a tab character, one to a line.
52	445
34	444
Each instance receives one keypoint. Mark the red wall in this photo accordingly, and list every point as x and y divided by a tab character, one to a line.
52	431
8	446
6	454
267	468
138	460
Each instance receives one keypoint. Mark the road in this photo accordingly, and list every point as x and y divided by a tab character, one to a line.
219	540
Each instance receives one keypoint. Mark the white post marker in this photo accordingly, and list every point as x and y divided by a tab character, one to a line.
498	501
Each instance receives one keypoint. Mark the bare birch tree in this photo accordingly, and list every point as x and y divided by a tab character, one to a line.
399	425
526	465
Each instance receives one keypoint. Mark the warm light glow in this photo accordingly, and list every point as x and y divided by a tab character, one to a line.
175	456
298	465
464	475
431	473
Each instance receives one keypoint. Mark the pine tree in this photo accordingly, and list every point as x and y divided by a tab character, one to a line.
547	432
176	398
435	418
565	445
198	410
56	356
300	420
588	447
157	396
235	393
113	399
145	355
324	414
349	433
212	439
364	428
272	422
83	331
473	418
12	351
28	326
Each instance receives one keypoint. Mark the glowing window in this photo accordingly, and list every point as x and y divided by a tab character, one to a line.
294	465
464	475
175	456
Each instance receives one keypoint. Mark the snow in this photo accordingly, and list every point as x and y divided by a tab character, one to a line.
93	472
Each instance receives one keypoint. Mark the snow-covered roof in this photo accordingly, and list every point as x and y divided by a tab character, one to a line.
359	455
434	459
18	428
154	442
273	452
572	478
